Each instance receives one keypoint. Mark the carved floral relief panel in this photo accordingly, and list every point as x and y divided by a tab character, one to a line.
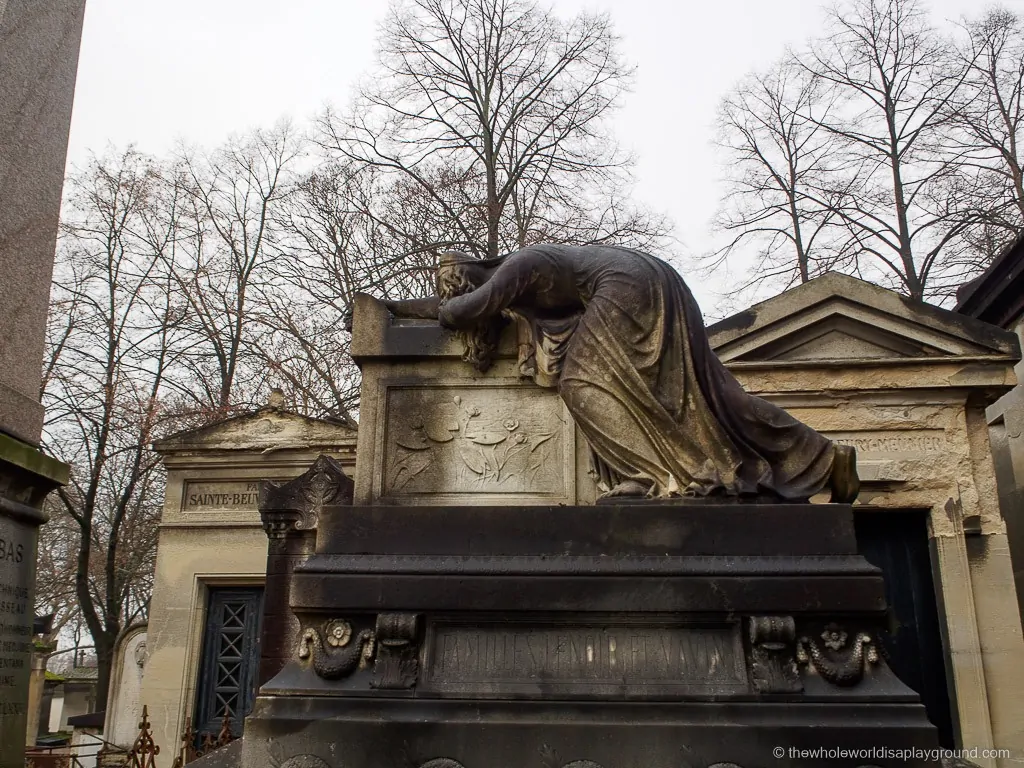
477	441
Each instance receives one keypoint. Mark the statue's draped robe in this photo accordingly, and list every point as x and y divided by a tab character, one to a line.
621	336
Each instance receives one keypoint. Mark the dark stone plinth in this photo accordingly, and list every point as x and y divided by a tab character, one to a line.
630	636
26	477
381	734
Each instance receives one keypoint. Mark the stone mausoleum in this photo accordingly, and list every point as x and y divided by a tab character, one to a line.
204	627
907	384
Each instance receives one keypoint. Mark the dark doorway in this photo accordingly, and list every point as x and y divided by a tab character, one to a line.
897	542
230	660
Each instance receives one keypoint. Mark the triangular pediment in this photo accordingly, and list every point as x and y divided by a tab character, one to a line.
838	317
264	429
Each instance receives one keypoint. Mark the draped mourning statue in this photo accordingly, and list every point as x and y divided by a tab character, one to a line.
619	334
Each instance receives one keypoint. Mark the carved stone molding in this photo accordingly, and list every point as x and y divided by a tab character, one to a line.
841	659
397	662
335	654
297	504
773	655
442	762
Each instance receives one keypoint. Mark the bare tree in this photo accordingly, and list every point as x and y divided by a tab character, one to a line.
987	117
110	347
505	96
345	229
783	174
894	78
223	217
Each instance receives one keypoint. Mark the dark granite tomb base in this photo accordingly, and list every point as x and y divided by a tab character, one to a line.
632	636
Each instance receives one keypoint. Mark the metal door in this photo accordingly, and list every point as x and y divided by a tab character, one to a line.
230	661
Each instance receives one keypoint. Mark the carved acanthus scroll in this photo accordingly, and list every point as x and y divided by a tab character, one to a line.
773	655
397	664
298	504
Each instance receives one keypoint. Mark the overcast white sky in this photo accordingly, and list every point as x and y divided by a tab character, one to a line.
154	71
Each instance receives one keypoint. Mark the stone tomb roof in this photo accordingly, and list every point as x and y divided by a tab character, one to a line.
836	319
265	430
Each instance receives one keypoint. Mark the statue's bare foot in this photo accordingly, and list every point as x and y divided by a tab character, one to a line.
626	488
844	482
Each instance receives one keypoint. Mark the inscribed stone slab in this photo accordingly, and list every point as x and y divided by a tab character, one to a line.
17	554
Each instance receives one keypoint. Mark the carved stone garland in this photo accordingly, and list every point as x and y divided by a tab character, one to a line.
840	662
392	648
337	656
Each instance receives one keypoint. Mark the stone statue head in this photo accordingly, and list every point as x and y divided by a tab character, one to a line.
459	273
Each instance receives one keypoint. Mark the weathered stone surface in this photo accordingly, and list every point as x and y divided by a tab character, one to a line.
269	428
496	439
917	415
39	42
412	373
837	317
229	756
124	702
906	383
581	636
507	658
619	335
17	582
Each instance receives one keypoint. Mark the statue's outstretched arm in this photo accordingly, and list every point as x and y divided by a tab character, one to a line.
508	284
419	308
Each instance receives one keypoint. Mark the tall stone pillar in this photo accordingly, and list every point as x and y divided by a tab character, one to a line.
291	514
39	42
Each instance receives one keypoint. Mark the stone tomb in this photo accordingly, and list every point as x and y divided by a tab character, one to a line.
453	618
432	431
124	705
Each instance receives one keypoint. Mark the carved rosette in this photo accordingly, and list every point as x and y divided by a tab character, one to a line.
297	504
842	658
773	655
396	666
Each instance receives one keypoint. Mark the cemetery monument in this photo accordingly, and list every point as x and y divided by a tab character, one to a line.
468	602
39	43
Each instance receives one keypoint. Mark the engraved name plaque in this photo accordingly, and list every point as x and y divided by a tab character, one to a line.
889	442
546	660
220	496
17	566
